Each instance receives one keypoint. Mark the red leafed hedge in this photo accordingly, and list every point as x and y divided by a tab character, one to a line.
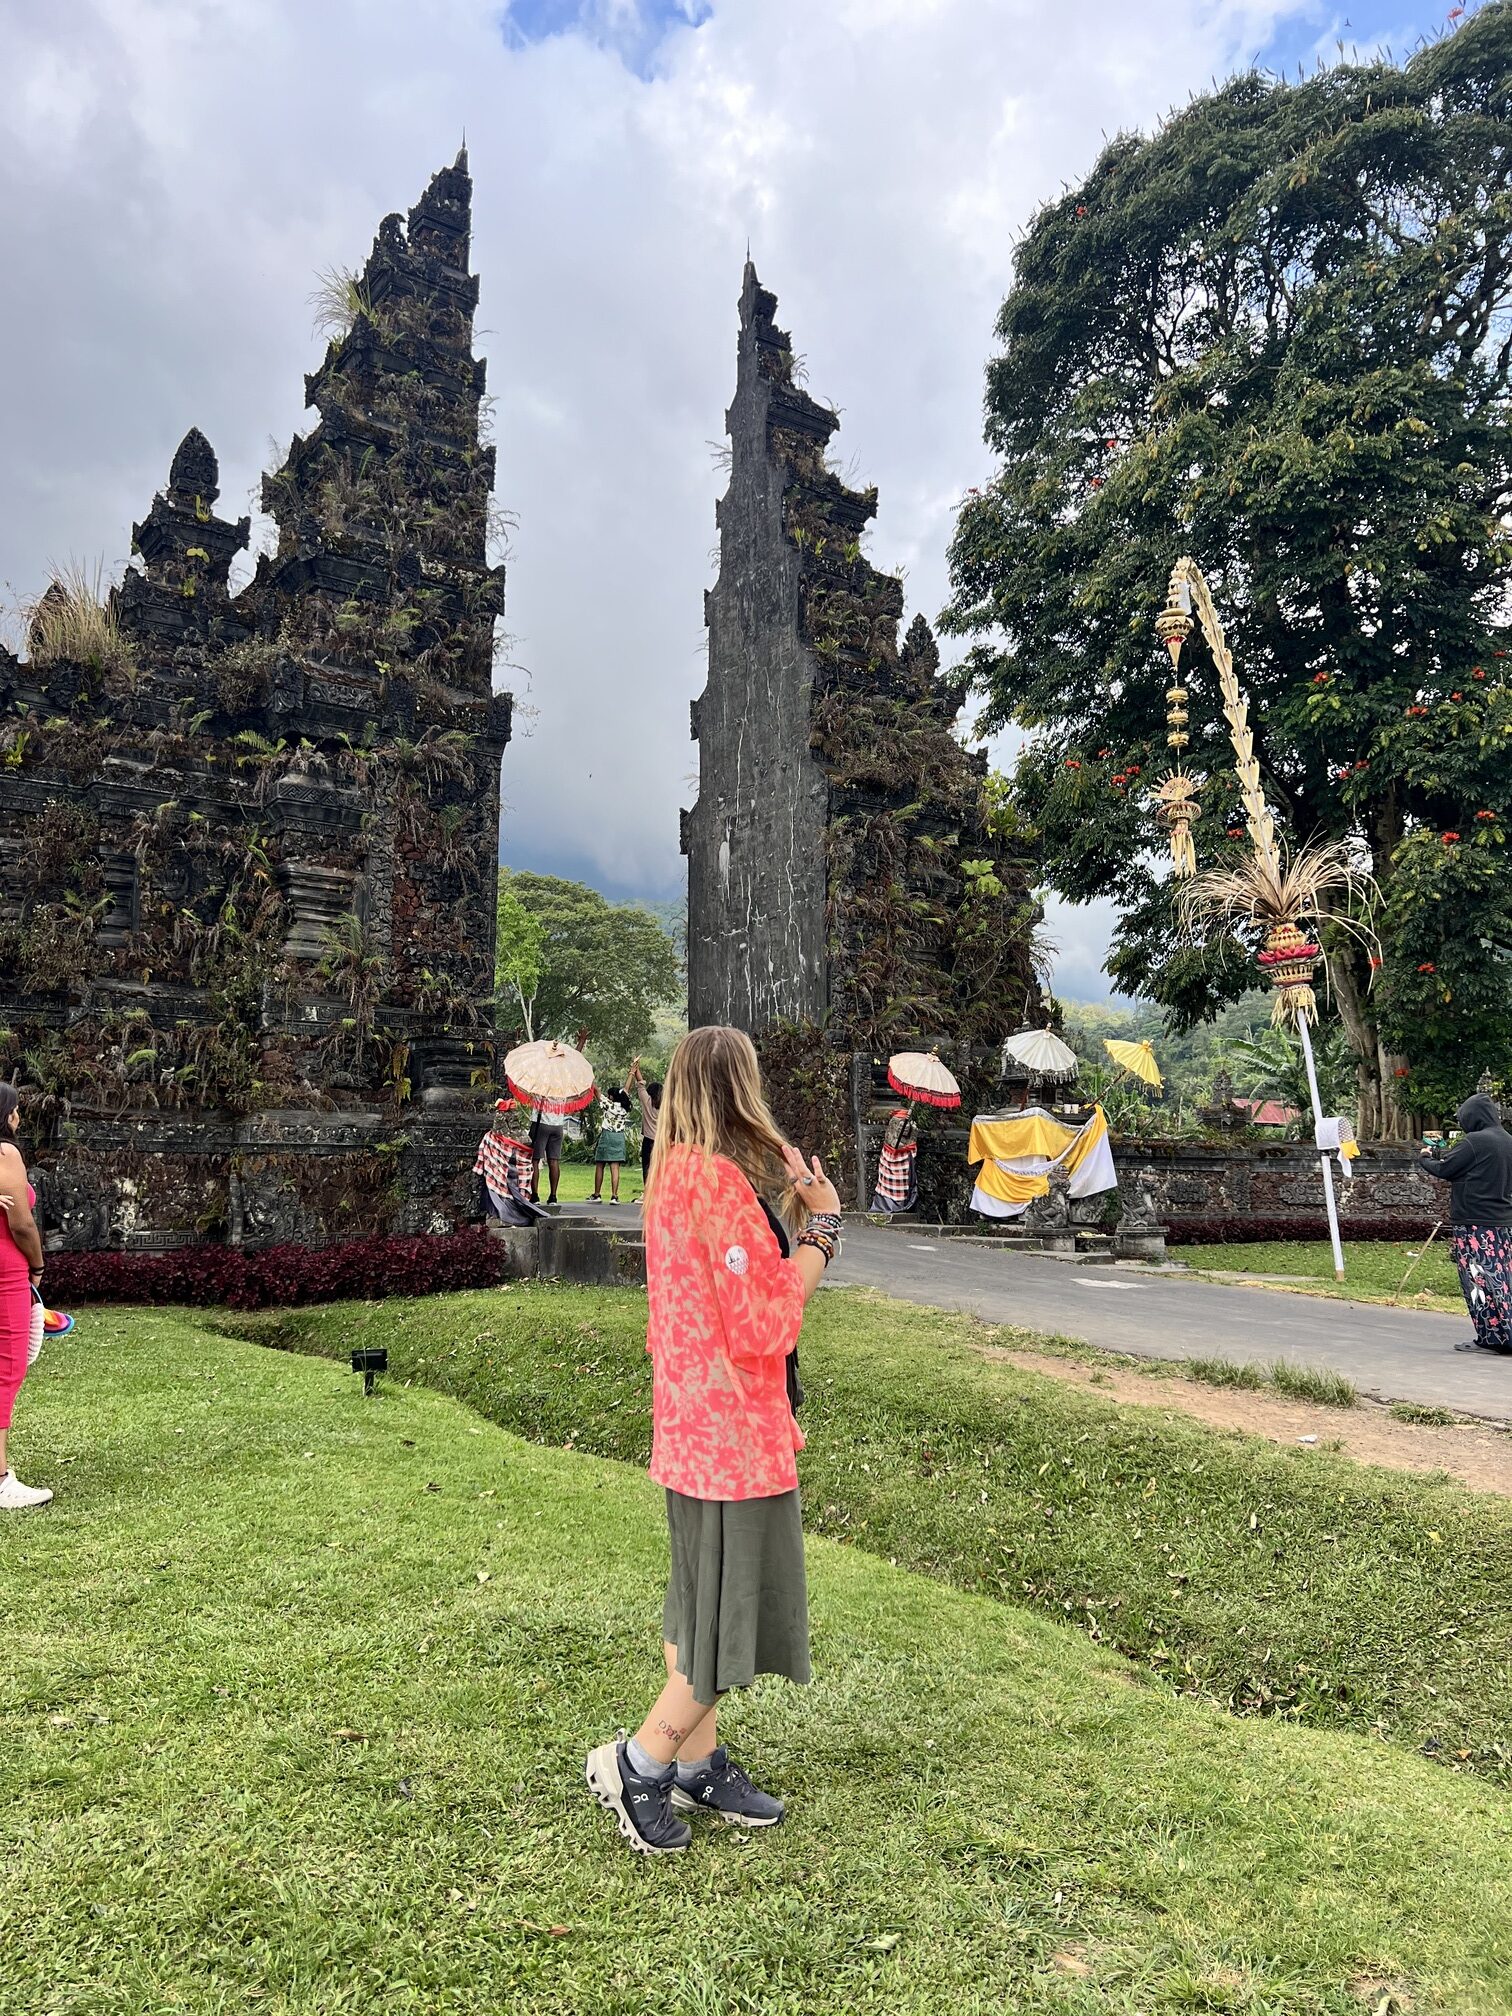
231	1278
1252	1231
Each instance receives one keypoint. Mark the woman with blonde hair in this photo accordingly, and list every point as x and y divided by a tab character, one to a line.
728	1277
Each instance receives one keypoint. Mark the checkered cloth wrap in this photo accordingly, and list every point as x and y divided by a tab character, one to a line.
897	1176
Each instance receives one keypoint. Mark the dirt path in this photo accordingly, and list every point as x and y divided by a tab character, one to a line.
1476	1454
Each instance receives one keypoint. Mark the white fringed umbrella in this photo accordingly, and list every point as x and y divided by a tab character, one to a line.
553	1077
1043	1055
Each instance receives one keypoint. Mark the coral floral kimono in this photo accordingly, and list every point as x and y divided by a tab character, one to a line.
725	1313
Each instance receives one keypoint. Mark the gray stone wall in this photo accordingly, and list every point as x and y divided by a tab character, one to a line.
1189	1181
755	838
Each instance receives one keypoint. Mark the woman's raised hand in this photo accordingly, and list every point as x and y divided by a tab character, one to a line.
817	1191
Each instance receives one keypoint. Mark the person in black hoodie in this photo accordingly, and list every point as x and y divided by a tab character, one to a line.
1478	1169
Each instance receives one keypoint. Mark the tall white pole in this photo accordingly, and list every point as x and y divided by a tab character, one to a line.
1328	1189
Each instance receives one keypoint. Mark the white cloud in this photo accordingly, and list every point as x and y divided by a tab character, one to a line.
176	171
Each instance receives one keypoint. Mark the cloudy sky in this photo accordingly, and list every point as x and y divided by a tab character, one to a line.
175	172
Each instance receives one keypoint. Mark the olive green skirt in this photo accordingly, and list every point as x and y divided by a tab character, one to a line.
737	1597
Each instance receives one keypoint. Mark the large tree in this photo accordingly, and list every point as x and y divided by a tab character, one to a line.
1275	336
575	962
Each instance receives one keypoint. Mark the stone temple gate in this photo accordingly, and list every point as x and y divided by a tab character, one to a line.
248	843
849	890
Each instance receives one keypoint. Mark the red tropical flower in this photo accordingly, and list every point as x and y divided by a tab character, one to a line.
1072	764
1456	696
1448	839
1477	673
1485	815
1427	967
1321	678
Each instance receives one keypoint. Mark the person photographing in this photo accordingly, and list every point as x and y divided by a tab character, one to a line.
739	1231
1478	1169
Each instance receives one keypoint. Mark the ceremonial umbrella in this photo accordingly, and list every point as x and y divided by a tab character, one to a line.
1042	1054
917	1076
1138	1059
553	1077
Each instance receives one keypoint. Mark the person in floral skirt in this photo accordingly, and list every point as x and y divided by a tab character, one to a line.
1478	1169
728	1277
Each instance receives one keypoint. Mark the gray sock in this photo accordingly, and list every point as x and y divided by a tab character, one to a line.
688	1772
644	1766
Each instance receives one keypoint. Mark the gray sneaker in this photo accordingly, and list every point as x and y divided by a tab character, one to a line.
723	1789
643	1806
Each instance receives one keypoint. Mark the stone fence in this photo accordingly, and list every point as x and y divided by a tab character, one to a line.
1212	1190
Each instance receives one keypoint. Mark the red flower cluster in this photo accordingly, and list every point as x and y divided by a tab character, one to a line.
1072	764
1375	962
233	1278
1081	209
1485	815
1322	678
1133	770
1456	696
1363	764
1111	442
1104	752
1400	1071
1478	673
1234	832
1097	482
1427	967
1448	839
1413	711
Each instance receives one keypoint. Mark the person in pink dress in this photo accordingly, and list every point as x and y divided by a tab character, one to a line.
20	1272
728	1276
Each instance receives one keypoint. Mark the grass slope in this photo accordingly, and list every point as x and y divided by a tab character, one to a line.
1266	1578
297	1689
1374	1271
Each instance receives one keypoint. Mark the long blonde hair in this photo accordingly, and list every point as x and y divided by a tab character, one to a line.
712	1100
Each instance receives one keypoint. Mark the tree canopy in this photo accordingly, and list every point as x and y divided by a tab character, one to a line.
573	961
1275	336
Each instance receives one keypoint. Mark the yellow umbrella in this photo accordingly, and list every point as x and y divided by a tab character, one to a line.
553	1077
1138	1059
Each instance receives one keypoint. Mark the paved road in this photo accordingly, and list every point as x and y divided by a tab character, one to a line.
1400	1354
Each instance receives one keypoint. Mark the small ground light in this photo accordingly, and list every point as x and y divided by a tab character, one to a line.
369	1360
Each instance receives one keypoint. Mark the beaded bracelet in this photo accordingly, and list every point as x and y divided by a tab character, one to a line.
823	1233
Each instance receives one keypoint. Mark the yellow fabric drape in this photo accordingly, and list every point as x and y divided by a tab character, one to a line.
1085	1143
1011	1140
1008	1186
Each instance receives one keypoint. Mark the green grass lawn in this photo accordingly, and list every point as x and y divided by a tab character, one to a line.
1373	1269
576	1185
1266	1579
297	1689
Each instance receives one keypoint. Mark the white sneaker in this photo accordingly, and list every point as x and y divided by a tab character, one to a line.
18	1497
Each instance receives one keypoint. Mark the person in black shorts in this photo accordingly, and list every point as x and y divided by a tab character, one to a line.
546	1146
